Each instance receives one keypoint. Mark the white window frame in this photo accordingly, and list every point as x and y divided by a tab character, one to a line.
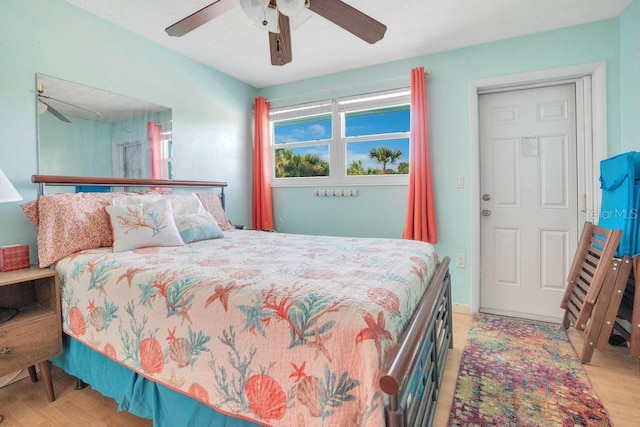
338	143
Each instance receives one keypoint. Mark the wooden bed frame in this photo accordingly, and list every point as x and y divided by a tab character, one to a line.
412	379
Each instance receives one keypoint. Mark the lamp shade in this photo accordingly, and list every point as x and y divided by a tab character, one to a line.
7	192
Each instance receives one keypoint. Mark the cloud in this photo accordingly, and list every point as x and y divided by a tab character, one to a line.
318	130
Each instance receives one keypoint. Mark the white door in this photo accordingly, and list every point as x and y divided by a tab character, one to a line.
529	199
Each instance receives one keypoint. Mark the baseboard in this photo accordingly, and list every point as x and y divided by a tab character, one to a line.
461	308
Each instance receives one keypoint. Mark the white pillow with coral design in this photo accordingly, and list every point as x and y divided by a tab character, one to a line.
143	225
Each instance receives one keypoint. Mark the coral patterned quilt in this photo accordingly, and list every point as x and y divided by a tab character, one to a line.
280	329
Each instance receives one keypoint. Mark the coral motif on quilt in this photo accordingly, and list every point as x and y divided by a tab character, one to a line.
278	329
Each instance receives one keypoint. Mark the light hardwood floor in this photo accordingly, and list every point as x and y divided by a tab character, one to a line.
614	375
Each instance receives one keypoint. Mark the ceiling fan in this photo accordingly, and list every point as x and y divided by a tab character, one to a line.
44	105
275	15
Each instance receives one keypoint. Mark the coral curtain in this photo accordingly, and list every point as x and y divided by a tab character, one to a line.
154	132
421	219
262	214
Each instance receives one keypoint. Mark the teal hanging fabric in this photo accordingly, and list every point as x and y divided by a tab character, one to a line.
619	207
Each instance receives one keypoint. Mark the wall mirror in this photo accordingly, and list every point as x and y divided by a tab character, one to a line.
85	131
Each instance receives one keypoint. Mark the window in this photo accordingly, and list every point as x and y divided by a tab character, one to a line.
357	140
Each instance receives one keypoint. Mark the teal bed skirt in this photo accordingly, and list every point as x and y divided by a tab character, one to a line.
136	394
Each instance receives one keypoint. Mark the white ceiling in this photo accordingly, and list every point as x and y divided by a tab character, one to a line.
232	43
74	100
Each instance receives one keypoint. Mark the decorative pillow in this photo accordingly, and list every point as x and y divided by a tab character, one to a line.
136	199
30	209
198	226
192	219
212	204
143	225
71	222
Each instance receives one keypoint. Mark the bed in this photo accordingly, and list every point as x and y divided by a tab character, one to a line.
241	327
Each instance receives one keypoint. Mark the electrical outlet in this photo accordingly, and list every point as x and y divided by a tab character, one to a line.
460	260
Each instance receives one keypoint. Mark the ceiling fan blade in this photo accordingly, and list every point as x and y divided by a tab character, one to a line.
97	113
200	17
56	113
280	43
349	18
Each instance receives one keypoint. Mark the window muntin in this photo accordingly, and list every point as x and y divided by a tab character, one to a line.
351	127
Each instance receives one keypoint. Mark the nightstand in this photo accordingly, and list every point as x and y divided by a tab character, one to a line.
34	334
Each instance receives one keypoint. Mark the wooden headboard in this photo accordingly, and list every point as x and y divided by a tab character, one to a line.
59	180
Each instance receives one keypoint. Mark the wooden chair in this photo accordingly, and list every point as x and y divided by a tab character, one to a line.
603	316
624	306
590	270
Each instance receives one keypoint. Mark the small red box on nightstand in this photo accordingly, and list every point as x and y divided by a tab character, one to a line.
14	257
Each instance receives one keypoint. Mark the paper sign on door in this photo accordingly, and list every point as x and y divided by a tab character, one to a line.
529	146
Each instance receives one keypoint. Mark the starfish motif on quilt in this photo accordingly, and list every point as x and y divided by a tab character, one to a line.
374	331
129	275
255	317
171	335
221	293
147	294
298	372
319	343
184	312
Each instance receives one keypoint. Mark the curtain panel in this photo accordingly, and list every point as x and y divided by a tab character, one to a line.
262	210
420	223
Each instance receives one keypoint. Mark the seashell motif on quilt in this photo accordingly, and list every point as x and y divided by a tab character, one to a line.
385	299
266	397
320	274
214	262
96	318
149	250
76	321
310	393
151	357
245	274
199	392
110	351
178	352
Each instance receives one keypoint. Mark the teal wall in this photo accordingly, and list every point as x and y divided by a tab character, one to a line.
630	77
380	211
212	112
80	148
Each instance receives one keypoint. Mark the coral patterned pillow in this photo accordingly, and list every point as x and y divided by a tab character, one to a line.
212	204
143	225
71	222
30	209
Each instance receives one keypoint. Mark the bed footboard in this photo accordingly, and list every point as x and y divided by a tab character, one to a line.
413	379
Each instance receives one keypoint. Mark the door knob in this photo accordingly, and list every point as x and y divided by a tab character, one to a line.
486	197
486	212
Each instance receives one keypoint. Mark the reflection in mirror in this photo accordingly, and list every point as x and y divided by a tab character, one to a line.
84	131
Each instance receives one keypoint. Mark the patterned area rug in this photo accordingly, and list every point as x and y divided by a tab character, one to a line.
522	373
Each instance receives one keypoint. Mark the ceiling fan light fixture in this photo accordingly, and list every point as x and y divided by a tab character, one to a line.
290	7
300	18
269	21
254	9
42	107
